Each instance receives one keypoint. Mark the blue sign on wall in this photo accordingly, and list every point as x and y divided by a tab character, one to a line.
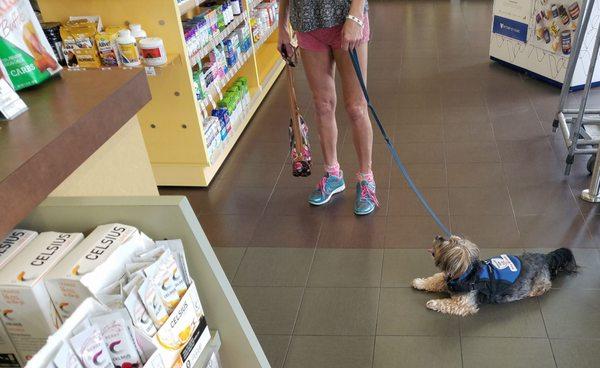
510	28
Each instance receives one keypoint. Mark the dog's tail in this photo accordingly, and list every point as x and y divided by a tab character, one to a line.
561	260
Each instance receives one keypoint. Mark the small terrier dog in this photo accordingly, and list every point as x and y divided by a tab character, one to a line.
501	279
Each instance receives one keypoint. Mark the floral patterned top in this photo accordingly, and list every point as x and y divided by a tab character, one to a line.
308	15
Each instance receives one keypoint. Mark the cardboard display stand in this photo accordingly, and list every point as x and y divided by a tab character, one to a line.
537	36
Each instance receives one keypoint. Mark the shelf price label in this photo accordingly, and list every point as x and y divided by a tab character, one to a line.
11	104
150	71
219	86
212	100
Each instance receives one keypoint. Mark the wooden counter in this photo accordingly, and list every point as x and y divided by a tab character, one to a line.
69	118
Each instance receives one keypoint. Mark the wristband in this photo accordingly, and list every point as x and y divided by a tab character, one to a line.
356	20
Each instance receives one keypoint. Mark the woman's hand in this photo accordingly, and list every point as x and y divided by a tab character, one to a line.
284	43
352	34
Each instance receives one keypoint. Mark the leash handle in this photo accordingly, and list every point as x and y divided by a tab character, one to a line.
403	170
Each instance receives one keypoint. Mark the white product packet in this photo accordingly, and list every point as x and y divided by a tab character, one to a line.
111	301
47	353
133	267
66	358
176	248
136	280
117	335
166	278
139	315
91	348
151	300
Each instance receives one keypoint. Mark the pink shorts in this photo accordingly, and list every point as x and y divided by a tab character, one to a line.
325	39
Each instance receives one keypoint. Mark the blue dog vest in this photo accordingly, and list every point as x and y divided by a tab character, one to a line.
489	277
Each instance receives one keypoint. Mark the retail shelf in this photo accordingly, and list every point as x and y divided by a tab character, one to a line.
215	89
166	217
211	170
172	122
151	71
264	38
198	55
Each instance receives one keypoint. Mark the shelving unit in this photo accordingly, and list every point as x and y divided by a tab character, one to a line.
215	89
195	58
172	122
151	71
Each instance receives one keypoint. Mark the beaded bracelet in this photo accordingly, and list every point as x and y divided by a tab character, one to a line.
356	20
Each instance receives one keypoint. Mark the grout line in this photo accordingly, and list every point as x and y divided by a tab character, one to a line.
433	335
262	213
546	329
505	178
302	296
238	266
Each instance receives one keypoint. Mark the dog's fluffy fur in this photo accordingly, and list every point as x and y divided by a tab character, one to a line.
454	256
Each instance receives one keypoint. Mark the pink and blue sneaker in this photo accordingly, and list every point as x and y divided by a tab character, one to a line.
327	187
366	198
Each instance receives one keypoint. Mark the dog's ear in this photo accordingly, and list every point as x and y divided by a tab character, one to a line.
455	257
458	261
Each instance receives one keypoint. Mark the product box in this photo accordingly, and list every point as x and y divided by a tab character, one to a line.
79	41
92	261
27	311
8	353
26	57
178	343
10	246
13	243
185	334
43	358
106	42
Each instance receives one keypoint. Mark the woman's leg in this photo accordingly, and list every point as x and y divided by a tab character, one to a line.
362	132
319	67
320	71
356	105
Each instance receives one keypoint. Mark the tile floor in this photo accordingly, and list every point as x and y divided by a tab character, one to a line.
329	307
323	288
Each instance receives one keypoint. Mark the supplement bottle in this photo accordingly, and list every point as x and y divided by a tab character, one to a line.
130	55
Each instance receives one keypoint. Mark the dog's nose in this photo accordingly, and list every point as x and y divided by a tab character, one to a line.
439	238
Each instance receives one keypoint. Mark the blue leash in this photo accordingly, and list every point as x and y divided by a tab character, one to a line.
403	170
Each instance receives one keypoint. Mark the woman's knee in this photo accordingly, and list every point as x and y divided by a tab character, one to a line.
324	105
357	111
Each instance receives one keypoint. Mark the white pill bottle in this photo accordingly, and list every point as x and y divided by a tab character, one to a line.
128	50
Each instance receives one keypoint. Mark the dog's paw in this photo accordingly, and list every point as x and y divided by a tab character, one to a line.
433	304
419	284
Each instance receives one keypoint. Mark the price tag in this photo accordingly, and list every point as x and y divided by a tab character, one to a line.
212	101
150	71
219	87
11	104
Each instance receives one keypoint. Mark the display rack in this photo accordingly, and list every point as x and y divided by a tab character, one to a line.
167	217
172	122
